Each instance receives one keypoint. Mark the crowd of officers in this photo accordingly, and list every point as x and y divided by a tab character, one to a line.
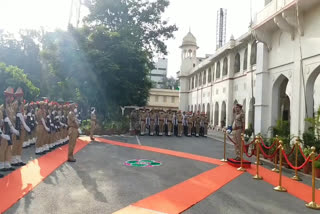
160	122
46	124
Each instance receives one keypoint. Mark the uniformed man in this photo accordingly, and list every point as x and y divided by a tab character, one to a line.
156	122
93	121
143	122
190	124
238	128
197	124
42	128
9	130
23	129
170	120
73	126
206	123
152	122
180	125
175	123
202	124
185	123
161	122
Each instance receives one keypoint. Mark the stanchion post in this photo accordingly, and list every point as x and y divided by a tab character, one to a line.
276	156
296	176
241	168
224	149
257	176
260	139
313	204
280	188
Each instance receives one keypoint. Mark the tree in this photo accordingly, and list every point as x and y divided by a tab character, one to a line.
15	77
170	83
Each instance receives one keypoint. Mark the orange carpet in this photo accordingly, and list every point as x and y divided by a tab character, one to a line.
21	181
163	151
186	194
295	188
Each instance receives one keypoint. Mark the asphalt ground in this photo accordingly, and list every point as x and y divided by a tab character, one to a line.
99	182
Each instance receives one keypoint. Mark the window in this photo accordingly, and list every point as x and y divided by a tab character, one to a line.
224	90
213	67
209	75
204	77
225	66
245	59
237	63
157	98
200	79
218	70
172	99
253	57
164	99
192	82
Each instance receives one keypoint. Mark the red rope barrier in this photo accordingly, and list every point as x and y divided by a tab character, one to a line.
246	151
251	142
266	155
268	147
293	167
231	139
302	153
290	153
317	158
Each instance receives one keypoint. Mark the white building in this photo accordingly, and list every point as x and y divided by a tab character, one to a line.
272	69
163	99
160	72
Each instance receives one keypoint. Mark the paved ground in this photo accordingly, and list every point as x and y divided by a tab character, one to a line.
100	183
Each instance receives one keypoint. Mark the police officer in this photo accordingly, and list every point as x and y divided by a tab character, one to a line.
93	122
73	126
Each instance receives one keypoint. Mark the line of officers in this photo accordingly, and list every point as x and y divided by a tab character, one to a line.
171	122
48	125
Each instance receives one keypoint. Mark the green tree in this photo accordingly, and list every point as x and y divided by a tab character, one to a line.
15	77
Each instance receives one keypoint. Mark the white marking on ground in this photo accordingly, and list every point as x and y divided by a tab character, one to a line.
138	140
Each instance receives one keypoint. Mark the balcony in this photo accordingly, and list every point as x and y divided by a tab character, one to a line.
271	9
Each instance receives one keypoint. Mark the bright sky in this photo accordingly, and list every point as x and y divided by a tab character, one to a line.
199	15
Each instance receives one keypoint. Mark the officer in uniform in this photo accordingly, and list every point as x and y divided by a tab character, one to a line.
197	124
22	128
238	128
190	124
206	122
170	122
93	121
185	123
152	122
42	128
143	122
73	126
180	125
161	122
9	130
175	124
156	122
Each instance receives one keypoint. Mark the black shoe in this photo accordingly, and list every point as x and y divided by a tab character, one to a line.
10	169
15	164
3	169
72	160
21	164
1	176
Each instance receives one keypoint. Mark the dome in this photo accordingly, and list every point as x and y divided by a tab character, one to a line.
189	39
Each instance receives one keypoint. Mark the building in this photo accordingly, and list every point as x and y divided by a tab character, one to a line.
158	74
272	70
163	99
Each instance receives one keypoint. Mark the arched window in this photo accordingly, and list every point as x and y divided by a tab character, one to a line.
245	59
225	66
213	72
218	70
204	77
237	63
209	75
200	79
253	57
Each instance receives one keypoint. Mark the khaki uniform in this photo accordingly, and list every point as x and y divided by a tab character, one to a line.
41	131
190	123
170	121
72	132
180	125
143	118
152	122
237	129
161	123
197	125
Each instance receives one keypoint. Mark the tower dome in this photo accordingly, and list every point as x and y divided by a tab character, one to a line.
189	40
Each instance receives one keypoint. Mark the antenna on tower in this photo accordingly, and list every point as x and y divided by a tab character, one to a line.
221	27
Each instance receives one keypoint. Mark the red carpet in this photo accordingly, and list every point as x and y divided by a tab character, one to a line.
21	181
186	194
295	188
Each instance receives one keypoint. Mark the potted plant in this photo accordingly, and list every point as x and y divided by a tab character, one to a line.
307	167
317	168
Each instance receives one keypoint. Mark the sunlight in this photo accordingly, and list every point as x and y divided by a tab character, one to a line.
22	14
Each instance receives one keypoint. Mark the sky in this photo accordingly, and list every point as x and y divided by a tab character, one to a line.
197	15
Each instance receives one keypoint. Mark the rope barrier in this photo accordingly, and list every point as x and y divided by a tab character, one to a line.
251	142
290	153
317	158
266	155
268	147
293	167
252	152
231	139
302	153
